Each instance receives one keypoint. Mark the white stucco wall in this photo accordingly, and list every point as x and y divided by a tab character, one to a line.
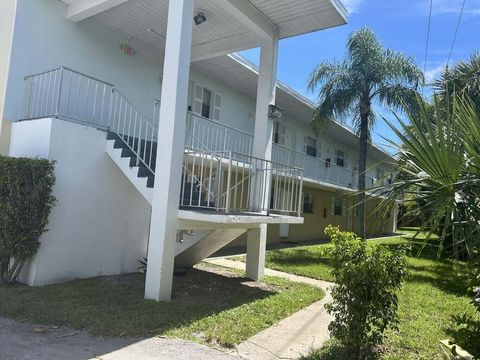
7	20
44	39
100	223
43	33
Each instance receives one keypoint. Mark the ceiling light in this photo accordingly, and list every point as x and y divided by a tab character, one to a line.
199	18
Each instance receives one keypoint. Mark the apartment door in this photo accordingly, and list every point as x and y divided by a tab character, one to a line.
283	231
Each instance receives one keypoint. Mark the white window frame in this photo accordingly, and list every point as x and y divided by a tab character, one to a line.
306	138
280	130
343	157
215	102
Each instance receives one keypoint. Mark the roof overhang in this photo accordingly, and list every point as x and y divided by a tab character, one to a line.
232	25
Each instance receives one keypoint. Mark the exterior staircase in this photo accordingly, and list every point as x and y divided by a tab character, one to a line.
223	187
192	247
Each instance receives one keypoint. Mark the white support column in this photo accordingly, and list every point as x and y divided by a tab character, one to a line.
166	192
262	148
266	93
256	246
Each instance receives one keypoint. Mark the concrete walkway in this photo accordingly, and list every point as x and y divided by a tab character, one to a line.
293	336
26	341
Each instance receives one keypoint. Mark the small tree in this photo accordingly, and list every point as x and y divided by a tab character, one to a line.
25	203
364	298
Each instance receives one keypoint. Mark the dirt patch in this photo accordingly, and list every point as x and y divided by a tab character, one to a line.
205	282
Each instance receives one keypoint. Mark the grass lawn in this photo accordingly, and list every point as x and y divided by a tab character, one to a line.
434	291
210	305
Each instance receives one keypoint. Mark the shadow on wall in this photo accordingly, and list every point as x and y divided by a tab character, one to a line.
5	131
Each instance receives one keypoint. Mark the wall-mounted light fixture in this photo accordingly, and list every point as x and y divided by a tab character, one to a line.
274	112
200	18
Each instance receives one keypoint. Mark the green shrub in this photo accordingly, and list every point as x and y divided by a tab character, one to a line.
365	295
25	203
467	326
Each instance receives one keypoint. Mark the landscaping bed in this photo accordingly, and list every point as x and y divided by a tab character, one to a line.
434	291
210	305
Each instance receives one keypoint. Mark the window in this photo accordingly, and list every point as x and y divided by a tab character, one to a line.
340	158
206	102
308	203
284	135
276	132
310	146
338	206
337	210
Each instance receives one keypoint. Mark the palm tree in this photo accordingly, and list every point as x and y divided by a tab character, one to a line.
369	74
462	79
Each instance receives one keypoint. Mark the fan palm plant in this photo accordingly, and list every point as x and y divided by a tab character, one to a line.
368	75
440	171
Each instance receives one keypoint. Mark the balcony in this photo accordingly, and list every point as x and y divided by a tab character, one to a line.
219	173
220	137
69	95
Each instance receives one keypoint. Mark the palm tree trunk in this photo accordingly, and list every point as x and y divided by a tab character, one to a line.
361	172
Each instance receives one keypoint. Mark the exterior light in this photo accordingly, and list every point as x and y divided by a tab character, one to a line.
200	18
274	112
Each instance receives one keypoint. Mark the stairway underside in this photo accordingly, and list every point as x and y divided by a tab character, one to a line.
208	245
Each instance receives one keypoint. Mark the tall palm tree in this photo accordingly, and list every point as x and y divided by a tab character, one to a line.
369	74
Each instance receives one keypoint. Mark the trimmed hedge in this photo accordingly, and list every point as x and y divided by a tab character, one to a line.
25	203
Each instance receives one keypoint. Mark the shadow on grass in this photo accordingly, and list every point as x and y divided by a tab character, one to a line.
298	257
424	266
114	306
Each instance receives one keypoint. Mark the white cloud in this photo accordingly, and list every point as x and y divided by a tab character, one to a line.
433	73
352	5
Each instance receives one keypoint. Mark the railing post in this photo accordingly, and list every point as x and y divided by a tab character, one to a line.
57	107
110	111
299	210
229	173
225	139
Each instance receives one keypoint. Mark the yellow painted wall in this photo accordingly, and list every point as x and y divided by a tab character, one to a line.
7	16
314	224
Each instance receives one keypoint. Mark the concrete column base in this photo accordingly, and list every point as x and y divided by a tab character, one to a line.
256	247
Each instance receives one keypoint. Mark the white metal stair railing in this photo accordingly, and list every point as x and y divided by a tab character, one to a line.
134	129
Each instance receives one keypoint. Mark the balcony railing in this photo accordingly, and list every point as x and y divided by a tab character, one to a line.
231	182
218	171
68	94
212	134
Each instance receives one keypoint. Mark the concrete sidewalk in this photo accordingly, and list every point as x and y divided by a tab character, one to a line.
293	336
20	341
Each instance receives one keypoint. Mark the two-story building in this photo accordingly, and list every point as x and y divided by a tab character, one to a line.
167	143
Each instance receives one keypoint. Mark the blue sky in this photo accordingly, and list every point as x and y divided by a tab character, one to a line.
400	25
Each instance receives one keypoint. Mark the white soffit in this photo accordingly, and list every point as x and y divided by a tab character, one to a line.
146	20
